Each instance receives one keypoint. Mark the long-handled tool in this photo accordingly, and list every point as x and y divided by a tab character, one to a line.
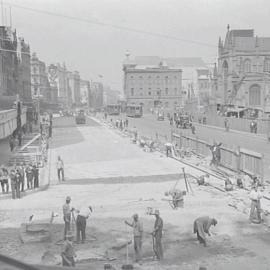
127	266
188	186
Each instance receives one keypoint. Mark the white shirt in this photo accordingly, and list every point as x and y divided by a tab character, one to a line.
60	164
84	212
255	195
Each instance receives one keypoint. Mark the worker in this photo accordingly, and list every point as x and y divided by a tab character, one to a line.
169	149
255	197
67	215
177	198
228	184
157	236
201	227
137	226
68	254
82	216
203	180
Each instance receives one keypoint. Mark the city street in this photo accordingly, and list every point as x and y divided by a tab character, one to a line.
149	126
117	178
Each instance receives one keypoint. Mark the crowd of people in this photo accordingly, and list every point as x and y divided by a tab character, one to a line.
19	178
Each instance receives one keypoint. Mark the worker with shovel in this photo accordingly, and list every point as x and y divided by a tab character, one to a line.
67	215
138	234
157	236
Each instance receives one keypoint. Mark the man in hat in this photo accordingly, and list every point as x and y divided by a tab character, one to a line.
68	254
67	215
157	236
138	234
60	169
201	227
83	215
255	197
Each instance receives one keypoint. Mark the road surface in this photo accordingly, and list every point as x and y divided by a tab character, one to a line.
117	178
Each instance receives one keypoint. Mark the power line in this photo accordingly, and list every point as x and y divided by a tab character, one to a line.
119	27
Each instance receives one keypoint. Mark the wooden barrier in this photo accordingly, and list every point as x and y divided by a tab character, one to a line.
238	159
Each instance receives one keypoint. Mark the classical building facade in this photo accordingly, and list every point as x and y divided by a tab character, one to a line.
95	95
157	85
204	86
242	77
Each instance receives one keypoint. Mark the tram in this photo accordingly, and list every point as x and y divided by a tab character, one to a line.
113	109
134	111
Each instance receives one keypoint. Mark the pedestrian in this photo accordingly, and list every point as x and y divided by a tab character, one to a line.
60	169
13	183
83	215
22	176
193	129
17	184
226	124
255	208
228	184
169	149
67	215
36	176
11	143
138	235
157	236
4	180
126	123
201	227
29	176
68	253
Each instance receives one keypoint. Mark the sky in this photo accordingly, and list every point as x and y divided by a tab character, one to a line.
99	49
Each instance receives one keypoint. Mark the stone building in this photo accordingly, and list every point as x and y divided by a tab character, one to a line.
84	92
152	84
74	84
15	73
243	73
95	95
40	83
204	86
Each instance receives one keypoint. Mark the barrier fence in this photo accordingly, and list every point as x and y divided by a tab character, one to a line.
238	159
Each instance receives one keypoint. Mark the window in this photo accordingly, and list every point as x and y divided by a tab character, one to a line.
267	65
140	77
157	77
158	92
247	65
175	91
132	91
149	93
131	77
255	95
166	91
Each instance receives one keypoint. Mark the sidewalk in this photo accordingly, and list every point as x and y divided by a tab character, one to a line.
252	135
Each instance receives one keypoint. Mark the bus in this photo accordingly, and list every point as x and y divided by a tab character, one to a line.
134	110
113	109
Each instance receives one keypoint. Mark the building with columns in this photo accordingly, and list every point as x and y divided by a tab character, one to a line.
242	77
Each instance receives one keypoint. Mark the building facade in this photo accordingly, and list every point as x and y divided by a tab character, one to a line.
204	86
74	85
84	92
95	95
243	73
15	70
152	85
40	85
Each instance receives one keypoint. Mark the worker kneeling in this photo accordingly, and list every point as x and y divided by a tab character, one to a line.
201	227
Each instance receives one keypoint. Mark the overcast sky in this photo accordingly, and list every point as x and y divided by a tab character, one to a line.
94	49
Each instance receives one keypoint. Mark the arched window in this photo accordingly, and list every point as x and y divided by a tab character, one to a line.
247	65
267	65
255	95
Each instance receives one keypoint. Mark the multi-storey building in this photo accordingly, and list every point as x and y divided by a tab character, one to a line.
95	95
152	85
204	86
15	74
84	92
40	83
74	84
243	73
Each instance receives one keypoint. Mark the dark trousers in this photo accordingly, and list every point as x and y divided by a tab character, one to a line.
158	247
36	181
17	190
60	172
201	240
66	263
4	183
81	226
